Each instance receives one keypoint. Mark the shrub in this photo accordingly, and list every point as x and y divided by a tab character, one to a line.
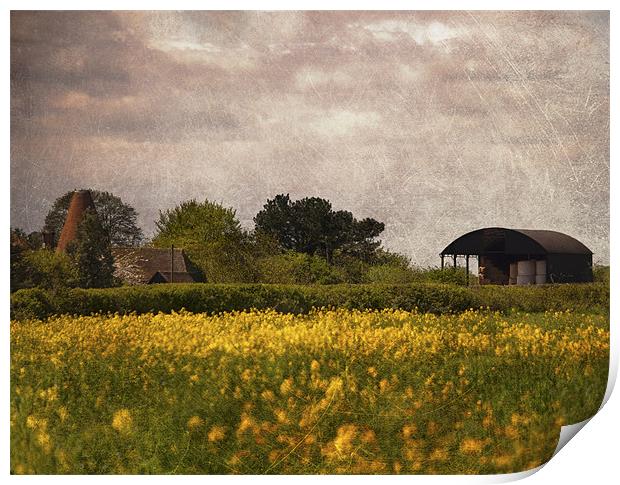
455	276
298	268
601	273
49	270
215	298
389	274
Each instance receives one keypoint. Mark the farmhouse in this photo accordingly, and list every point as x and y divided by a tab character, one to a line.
522	256
133	266
141	266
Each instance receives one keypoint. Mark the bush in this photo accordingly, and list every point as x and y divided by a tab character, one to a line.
539	298
601	273
215	298
298	268
48	269
389	274
455	276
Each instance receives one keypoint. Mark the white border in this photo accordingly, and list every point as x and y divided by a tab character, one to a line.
592	456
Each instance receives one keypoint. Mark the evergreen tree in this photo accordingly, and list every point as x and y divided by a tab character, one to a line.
91	254
19	247
311	226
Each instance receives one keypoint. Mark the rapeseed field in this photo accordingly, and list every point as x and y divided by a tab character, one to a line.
329	392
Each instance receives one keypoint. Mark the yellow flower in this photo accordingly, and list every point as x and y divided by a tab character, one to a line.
315	366
287	386
439	454
194	422
122	421
511	432
281	416
343	443
216	433
472	446
502	460
372	372
368	436
36	423
43	440
62	413
409	430
384	385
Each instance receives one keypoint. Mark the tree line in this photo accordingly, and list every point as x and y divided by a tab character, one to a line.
303	241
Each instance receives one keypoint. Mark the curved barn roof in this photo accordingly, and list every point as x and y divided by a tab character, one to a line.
515	241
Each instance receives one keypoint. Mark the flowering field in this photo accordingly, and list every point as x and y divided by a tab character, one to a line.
329	392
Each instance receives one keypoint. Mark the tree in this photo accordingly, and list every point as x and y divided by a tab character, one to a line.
117	218
19	248
310	226
90	252
211	236
50	270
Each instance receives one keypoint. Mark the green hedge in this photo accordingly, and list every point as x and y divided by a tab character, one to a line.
215	298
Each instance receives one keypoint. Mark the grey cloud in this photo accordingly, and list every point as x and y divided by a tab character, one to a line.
435	122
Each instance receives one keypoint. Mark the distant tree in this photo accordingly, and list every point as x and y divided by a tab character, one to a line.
90	252
19	248
211	236
117	218
310	226
35	240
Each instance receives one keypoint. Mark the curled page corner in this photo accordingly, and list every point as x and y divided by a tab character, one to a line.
567	433
511	477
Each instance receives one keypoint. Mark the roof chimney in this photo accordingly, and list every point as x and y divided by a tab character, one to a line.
80	202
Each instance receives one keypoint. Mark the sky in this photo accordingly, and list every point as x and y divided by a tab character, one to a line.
435	123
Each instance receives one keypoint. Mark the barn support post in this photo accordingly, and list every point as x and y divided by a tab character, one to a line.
442	261
467	270
454	260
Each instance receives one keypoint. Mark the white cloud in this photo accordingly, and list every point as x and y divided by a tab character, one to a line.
311	78
186	45
433	33
338	122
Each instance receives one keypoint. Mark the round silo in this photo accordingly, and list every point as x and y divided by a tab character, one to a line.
526	272
541	272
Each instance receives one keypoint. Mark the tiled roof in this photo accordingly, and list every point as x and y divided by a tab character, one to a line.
137	266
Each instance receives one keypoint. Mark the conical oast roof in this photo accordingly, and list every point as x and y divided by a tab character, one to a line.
80	202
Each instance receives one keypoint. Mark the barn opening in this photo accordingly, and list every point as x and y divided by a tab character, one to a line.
522	256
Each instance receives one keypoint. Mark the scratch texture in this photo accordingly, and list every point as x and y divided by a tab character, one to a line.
436	123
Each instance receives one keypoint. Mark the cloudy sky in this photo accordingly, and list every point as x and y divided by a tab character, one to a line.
435	123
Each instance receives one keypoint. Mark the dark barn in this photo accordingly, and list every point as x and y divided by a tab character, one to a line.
522	256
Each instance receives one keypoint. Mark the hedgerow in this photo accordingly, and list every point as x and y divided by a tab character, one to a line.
216	298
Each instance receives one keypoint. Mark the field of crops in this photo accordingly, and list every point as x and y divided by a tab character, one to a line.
328	392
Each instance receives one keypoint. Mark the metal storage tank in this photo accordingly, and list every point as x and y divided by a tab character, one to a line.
526	272
512	280
541	272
